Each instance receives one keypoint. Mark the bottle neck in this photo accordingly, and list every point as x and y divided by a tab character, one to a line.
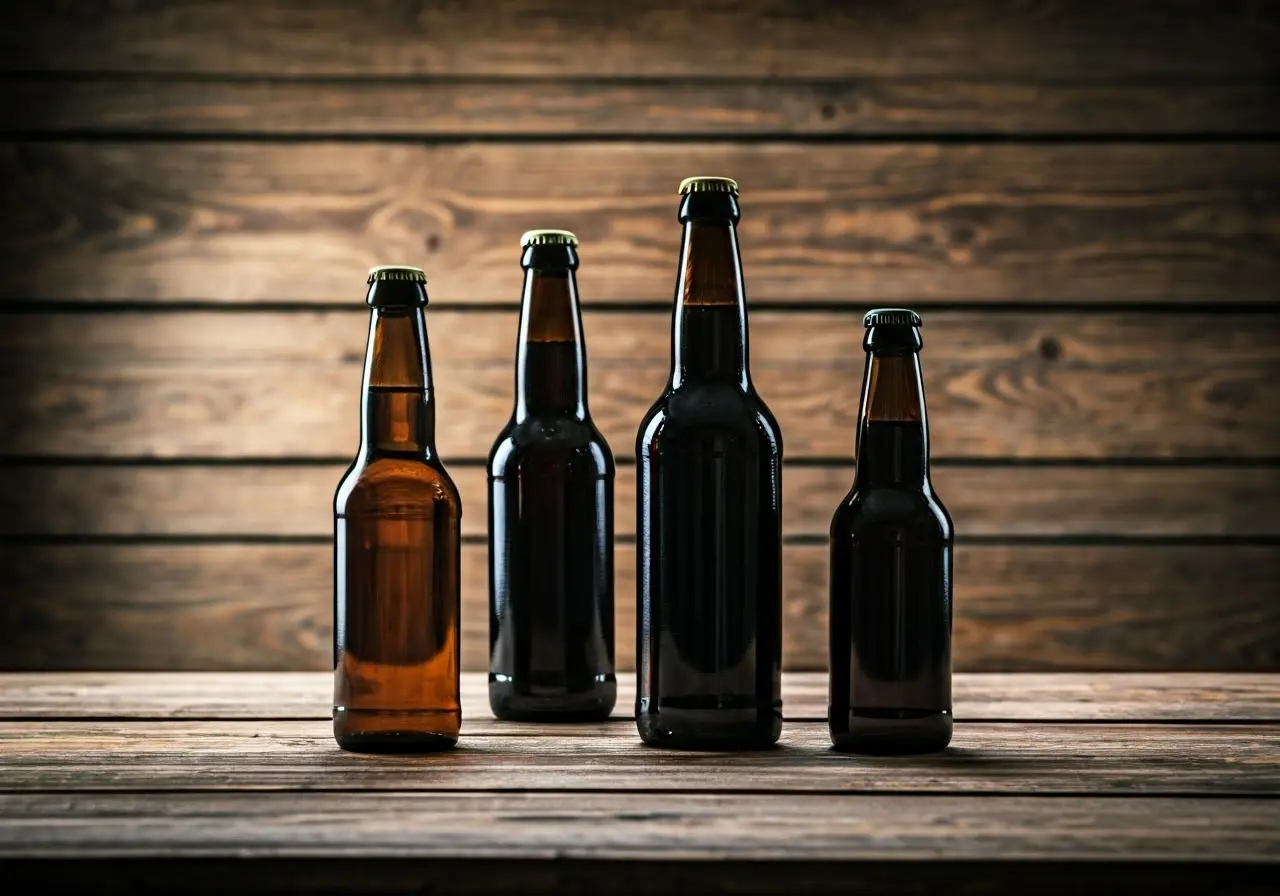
551	362
709	343
399	418
893	433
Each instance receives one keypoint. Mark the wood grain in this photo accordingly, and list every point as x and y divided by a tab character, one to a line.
264	607
262	221
287	384
661	826
174	105
263	500
1184	760
979	697
672	38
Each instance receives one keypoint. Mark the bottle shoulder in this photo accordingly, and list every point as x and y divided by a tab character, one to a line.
703	410
551	438
377	484
863	511
651	425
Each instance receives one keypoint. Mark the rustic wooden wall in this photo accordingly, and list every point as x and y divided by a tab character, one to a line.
1083	199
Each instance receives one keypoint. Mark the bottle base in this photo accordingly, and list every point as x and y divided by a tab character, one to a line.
395	731
709	723
513	701
891	732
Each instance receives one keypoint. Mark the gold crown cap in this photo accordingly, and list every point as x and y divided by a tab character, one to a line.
397	272
547	238
708	185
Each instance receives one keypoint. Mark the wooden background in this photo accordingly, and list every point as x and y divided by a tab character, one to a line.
1082	198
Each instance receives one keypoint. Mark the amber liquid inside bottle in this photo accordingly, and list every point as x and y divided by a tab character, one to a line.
891	564
709	517
551	478
397	553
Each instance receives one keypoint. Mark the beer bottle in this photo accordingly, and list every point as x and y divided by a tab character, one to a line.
397	545
709	510
891	545
551	513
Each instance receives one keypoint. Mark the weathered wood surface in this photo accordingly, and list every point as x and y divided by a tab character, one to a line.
794	827
260	221
979	697
999	39
269	606
1007	808
176	106
265	500
287	384
272	876
1187	760
901	199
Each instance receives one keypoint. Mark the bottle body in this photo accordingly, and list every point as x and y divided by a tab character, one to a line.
397	549
709	518
551	479
397	565
551	636
709	524
891	580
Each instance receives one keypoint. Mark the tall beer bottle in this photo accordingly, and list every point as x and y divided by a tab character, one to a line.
709	510
397	545
891	546
551	513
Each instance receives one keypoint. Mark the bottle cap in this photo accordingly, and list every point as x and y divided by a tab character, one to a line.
891	317
708	185
547	238
397	272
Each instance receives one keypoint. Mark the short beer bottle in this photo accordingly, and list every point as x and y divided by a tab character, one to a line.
551	513
397	545
891	559
709	515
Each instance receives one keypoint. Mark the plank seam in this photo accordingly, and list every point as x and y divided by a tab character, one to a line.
648	791
840	462
508	305
92	76
1118	540
624	721
1206	139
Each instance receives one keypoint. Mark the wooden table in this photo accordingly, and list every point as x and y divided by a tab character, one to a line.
1053	783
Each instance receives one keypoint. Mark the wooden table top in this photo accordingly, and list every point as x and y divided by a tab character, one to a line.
1053	782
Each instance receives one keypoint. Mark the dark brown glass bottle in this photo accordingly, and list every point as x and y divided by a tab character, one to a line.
891	547
709	515
551	513
397	546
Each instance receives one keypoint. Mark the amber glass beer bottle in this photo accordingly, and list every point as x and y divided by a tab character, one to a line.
551	513
891	546
709	510
397	545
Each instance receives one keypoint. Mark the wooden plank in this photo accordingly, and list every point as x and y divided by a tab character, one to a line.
988	697
261	221
98	105
660	826
635	877
265	500
671	38
1000	384
1184	760
265	607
